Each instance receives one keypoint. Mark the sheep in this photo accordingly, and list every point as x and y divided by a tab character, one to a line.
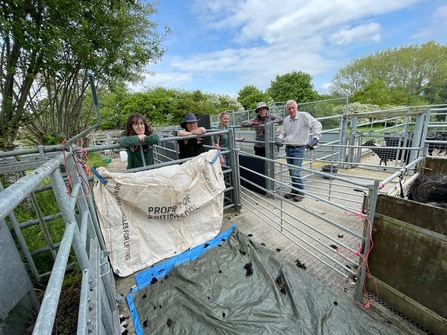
385	154
393	141
439	146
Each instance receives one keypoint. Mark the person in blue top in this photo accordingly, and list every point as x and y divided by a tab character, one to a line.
220	140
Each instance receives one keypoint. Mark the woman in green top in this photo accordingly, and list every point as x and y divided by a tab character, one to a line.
136	133
221	140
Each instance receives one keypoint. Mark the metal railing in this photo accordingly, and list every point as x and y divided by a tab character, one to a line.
350	209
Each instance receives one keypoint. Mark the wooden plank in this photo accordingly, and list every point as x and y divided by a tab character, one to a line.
407	306
413	212
411	260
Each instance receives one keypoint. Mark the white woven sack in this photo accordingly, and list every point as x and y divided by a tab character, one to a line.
149	216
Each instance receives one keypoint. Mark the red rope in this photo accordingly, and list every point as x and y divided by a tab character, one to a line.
367	226
77	161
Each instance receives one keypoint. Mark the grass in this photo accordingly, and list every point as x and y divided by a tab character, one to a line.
33	234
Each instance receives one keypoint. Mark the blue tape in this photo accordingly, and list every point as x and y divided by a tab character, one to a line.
101	178
215	158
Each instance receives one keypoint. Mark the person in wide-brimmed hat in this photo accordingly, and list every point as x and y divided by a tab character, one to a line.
190	147
262	117
260	105
190	117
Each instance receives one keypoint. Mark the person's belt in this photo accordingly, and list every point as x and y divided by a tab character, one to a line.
294	146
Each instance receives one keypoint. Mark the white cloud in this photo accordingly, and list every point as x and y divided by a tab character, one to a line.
164	79
440	12
265	38
272	21
366	32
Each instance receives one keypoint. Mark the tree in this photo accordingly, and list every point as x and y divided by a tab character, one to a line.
295	85
162	106
62	40
377	93
250	95
419	70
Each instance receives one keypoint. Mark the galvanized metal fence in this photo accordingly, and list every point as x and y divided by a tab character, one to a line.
337	203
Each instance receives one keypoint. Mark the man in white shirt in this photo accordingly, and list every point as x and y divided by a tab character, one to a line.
295	134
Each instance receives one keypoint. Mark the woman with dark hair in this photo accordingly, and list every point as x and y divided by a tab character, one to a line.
138	139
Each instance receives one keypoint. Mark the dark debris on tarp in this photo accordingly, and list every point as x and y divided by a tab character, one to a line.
237	286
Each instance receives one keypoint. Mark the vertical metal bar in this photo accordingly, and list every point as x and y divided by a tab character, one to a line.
83	303
234	165
74	195
343	140
351	141
85	219
58	185
418	130
368	236
94	294
46	233
106	312
88	205
21	239
45	319
269	154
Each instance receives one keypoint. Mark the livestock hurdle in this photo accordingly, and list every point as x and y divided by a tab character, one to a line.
305	223
408	260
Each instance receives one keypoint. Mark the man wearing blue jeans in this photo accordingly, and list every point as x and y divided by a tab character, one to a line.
295	134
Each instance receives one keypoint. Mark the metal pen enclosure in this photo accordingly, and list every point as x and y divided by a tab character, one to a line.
335	205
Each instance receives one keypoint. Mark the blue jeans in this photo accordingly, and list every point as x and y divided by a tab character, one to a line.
295	157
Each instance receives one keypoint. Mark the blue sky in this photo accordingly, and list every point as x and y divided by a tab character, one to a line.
220	46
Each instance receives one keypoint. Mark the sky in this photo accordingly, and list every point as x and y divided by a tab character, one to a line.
221	46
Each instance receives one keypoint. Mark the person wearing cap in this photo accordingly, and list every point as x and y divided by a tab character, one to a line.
190	147
262	118
138	139
295	133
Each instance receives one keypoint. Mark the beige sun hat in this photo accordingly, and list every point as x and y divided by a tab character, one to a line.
260	105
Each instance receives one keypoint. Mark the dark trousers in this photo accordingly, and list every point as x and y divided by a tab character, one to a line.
260	151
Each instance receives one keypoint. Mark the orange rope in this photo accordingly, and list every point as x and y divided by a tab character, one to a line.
84	166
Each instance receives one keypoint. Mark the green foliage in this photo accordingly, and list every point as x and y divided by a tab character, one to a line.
250	95
414	75
378	93
326	108
295	85
49	139
49	48
162	106
111	117
96	159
